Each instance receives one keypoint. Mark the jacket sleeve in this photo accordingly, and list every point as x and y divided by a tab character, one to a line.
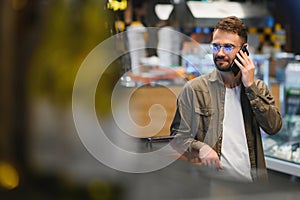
263	106
185	123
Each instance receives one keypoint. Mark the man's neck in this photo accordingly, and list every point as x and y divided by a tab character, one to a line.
229	80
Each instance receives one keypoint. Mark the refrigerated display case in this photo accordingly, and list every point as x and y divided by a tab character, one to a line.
282	151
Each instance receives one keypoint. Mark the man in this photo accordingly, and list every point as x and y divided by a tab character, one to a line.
220	115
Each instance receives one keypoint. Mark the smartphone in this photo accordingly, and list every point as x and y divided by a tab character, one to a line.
234	68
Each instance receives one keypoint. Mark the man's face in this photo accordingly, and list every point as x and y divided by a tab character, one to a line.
225	47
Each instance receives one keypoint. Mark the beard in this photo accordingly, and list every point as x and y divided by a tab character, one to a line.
223	68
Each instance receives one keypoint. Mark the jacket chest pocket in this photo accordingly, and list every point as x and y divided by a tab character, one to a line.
205	116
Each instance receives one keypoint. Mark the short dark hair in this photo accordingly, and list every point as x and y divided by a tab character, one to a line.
234	25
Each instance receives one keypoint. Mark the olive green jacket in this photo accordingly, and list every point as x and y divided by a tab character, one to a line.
200	112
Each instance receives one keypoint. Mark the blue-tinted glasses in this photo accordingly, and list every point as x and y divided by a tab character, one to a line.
227	47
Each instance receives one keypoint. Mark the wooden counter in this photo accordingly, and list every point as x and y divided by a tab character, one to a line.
144	98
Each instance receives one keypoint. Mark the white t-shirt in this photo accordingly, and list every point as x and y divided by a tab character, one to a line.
234	153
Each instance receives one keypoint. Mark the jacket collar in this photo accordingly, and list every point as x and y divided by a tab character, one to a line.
215	76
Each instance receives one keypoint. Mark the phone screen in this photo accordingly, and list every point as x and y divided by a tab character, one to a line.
234	68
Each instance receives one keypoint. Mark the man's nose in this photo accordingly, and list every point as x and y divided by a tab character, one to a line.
221	51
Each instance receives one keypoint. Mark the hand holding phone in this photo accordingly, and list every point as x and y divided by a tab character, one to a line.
234	68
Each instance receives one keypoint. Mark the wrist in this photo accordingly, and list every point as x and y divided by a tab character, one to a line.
204	151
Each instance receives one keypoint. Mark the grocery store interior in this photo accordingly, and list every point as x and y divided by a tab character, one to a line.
88	92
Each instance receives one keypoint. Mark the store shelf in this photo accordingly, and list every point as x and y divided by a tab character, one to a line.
283	166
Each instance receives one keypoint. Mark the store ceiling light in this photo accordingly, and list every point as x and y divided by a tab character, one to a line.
221	9
163	11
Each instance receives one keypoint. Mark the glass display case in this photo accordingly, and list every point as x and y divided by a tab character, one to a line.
282	151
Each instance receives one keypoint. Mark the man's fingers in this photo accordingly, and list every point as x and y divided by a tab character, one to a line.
214	163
